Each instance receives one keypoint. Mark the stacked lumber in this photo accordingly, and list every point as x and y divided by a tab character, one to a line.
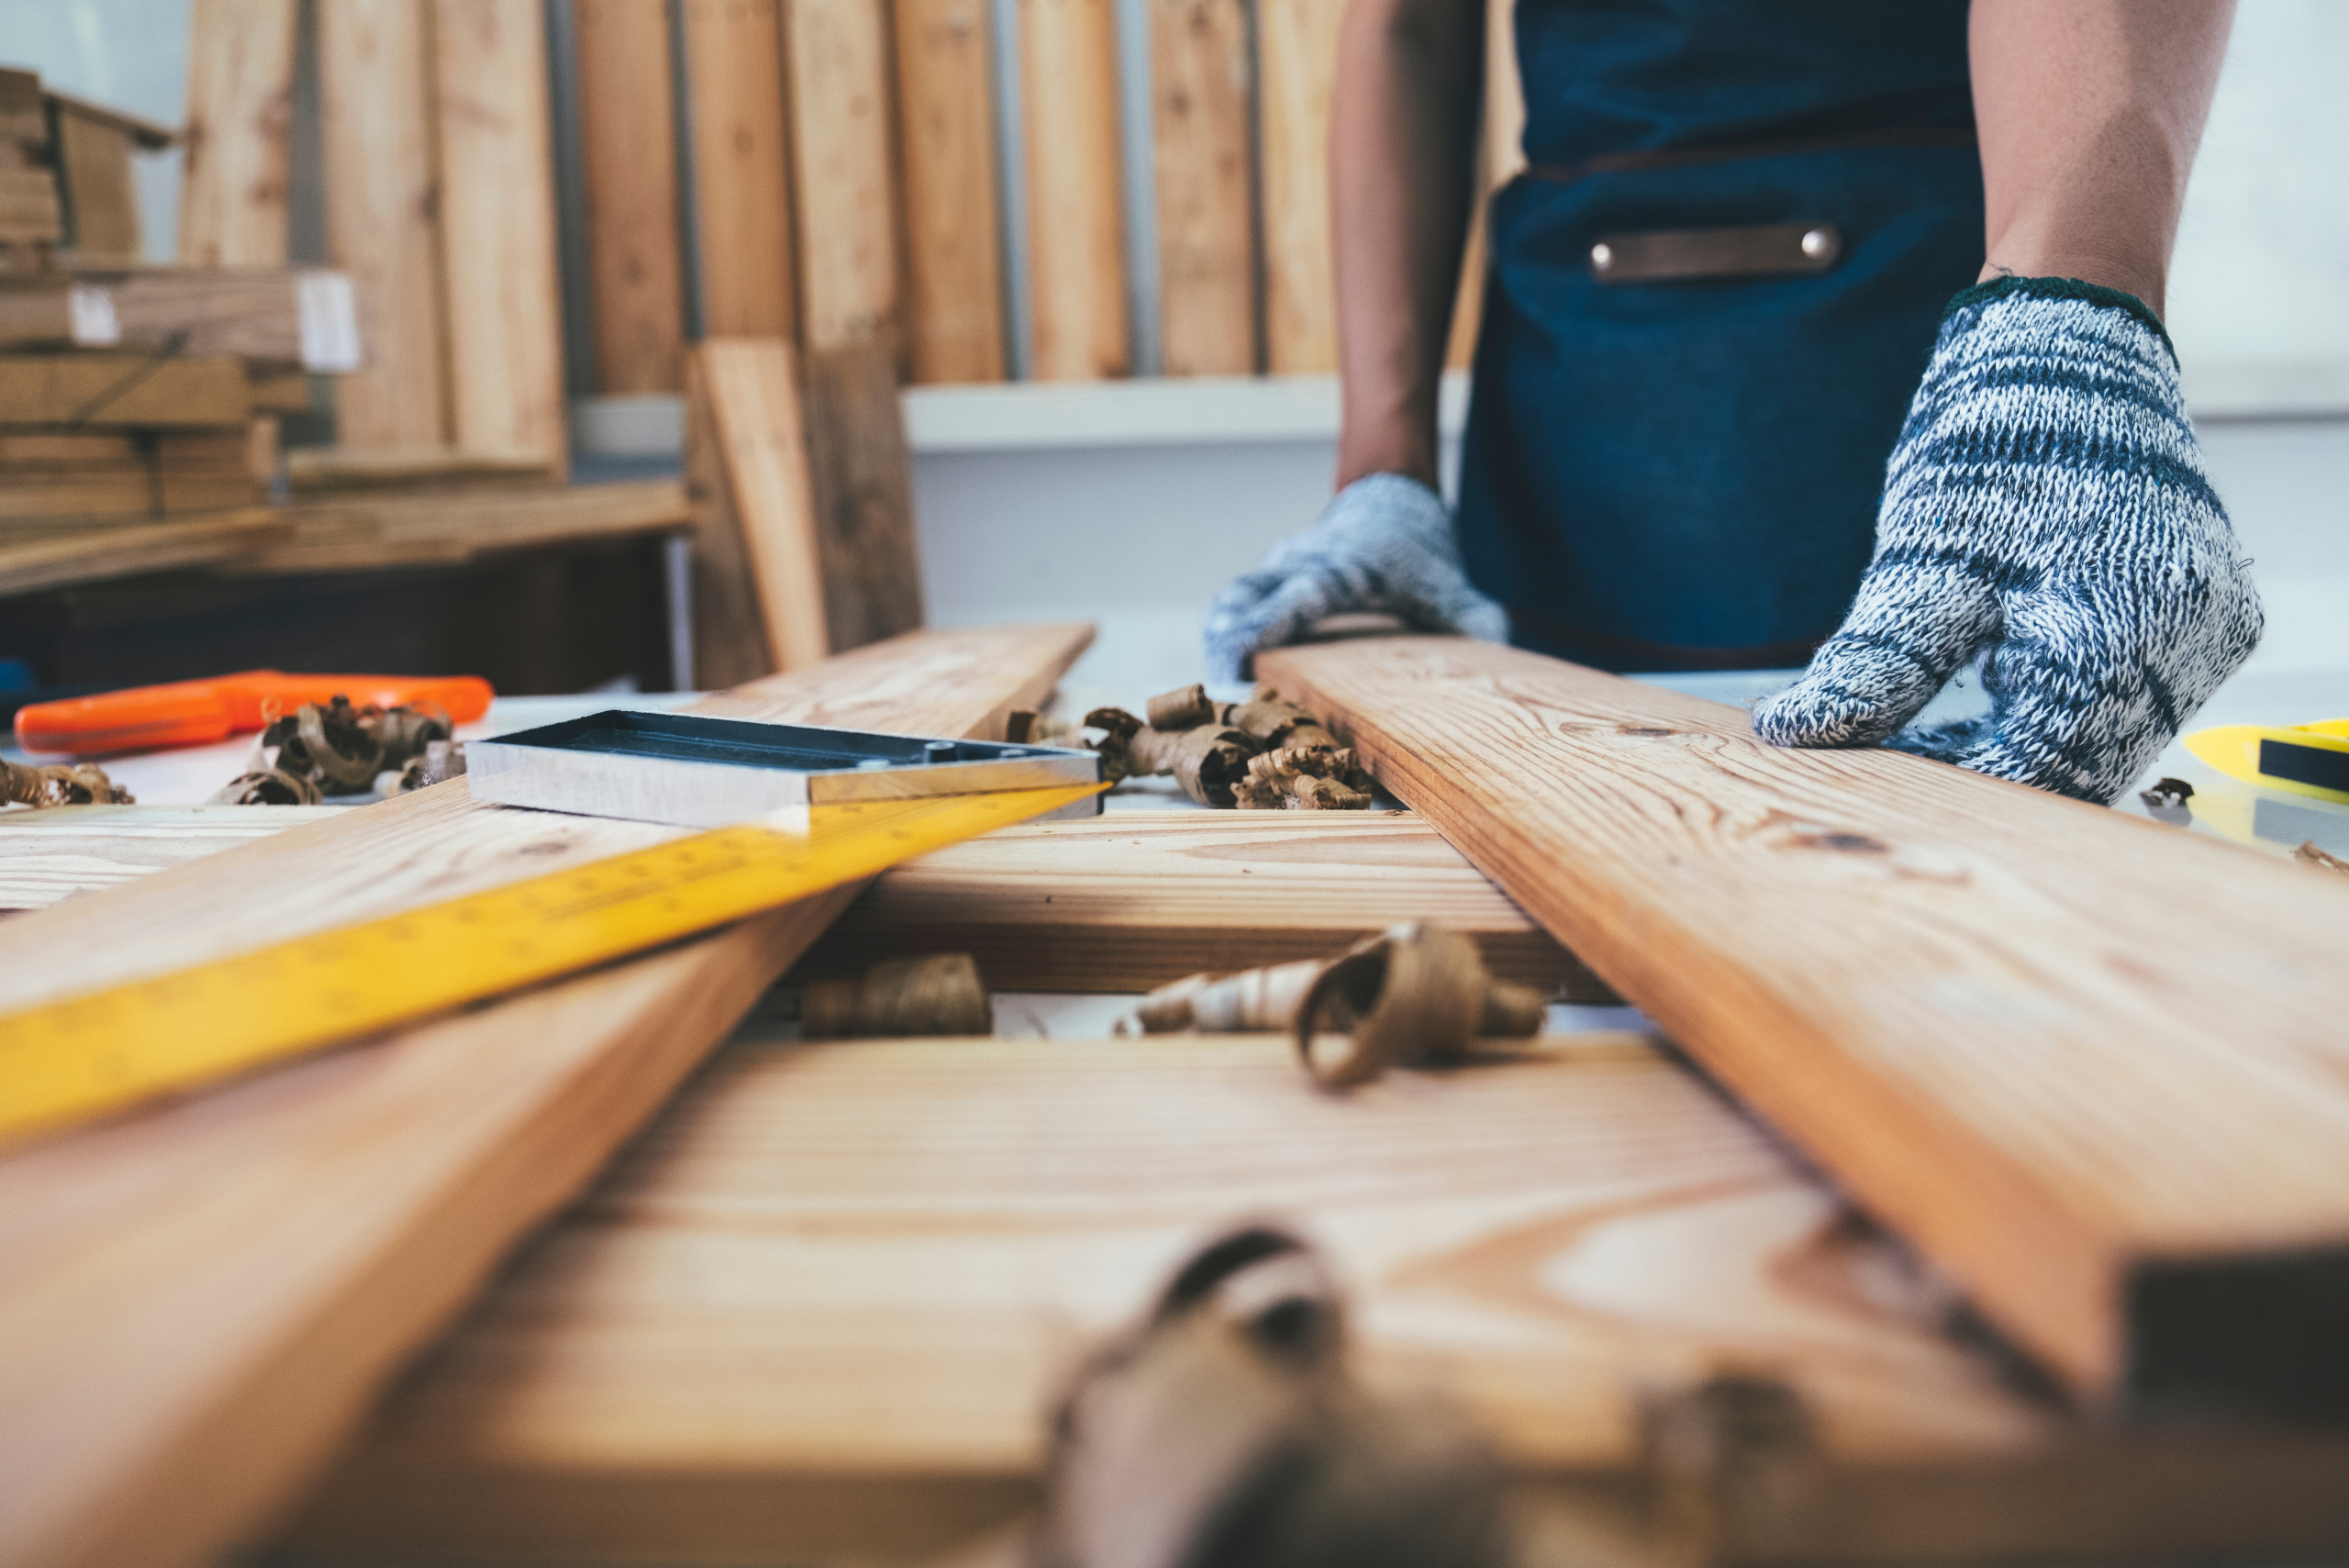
65	174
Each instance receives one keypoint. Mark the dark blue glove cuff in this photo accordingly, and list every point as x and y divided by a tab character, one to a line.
2062	288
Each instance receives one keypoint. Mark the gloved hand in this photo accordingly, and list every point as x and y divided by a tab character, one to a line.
1384	543
2047	502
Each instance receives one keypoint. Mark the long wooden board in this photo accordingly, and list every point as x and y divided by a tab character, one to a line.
747	409
742	168
954	235
64	558
629	150
1296	53
1076	235
109	391
384	222
445	528
837	55
2093	1066
1201	108
53	854
240	134
817	1311
1134	899
497	229
196	1302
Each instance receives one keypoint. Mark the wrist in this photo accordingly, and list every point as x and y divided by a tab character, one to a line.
2144	279
1395	439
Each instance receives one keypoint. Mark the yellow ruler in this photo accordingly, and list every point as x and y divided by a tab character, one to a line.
85	1056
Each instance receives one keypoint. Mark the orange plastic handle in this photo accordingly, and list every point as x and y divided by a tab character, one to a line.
197	713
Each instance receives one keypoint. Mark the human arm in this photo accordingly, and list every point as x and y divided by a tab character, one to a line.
2047	503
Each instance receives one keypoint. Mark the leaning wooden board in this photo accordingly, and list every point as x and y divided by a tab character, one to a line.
816	1312
2097	1068
195	1303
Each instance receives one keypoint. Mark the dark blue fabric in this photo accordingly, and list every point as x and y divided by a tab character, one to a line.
1686	475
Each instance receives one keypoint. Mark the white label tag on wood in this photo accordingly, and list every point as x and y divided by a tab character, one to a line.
95	323
329	324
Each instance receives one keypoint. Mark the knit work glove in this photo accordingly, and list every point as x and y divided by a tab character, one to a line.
2046	502
1383	544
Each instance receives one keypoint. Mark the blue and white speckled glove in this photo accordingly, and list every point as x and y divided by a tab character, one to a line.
1384	544
2046	502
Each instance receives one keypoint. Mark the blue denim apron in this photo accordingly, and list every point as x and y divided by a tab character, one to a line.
1678	475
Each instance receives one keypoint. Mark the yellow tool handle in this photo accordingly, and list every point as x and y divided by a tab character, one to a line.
86	1056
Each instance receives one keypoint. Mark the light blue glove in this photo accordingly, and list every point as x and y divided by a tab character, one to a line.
2047	502
1384	544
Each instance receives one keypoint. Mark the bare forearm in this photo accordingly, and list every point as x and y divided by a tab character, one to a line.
1402	140
2089	113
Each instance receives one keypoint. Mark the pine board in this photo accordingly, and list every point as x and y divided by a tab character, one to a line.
1297	65
742	168
497	229
1134	899
450	526
748	409
253	313
628	116
860	474
239	133
817	1311
1200	106
73	555
2092	1066
383	219
837	52
953	240
1076	236
113	391
197	1302
53	854
94	172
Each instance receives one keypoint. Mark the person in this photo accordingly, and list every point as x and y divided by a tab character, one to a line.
1713	295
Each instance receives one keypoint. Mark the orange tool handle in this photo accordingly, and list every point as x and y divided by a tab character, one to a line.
197	713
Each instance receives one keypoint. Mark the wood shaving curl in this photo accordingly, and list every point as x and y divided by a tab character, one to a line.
62	784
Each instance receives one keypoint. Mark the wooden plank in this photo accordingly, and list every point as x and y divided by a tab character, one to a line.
816	1312
30	213
239	133
383	219
2091	1066
318	471
861	482
1297	44
837	52
730	628
126	490
361	532
109	390
31	563
94	169
196	1302
1207	272
954	232
255	313
628	114
1134	899
742	168
46	856
760	444
146	134
1077	235
497	229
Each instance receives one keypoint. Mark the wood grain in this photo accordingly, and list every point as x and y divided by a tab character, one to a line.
2088	1064
253	313
838	56
730	628
628	113
1199	101
54	854
742	168
450	526
1077	235
94	169
30	210
816	1313
112	391
1134	899
382	178
196	1302
861	479
31	563
239	133
751	414
953	233
497	229
1297	64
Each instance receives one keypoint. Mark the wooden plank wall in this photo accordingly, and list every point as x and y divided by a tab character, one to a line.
629	150
240	134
